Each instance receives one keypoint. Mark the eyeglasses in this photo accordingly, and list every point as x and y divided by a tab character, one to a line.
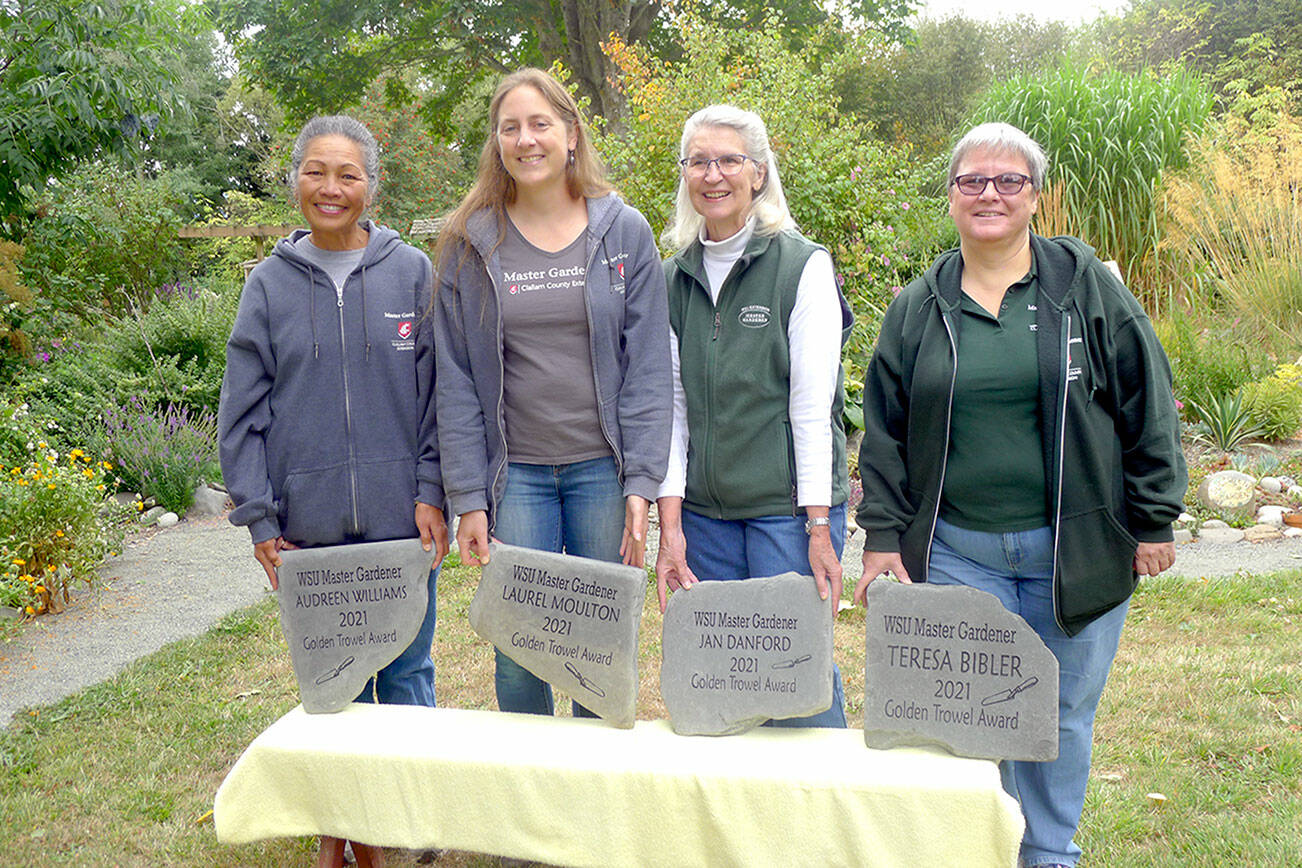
729	165
1007	184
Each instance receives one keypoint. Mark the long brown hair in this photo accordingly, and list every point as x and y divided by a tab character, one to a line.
494	188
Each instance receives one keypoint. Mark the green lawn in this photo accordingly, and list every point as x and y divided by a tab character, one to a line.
1205	708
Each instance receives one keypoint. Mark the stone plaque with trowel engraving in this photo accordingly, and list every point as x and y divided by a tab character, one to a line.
739	653
950	666
573	622
347	612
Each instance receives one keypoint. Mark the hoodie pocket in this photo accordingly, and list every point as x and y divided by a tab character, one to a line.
315	506
1096	558
386	496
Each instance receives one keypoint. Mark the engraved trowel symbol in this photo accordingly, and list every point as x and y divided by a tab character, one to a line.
583	681
1005	695
334	673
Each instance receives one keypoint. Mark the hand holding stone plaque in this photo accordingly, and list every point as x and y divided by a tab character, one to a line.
347	612
949	665
573	622
739	653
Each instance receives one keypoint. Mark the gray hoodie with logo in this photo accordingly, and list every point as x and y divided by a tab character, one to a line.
327	429
628	333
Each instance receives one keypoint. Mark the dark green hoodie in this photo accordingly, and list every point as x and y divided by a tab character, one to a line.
1111	435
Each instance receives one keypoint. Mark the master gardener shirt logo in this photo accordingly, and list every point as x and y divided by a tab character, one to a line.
754	316
404	329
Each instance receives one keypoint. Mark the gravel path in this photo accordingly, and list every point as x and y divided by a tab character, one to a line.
175	583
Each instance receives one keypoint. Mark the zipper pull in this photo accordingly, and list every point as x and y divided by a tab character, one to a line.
341	304
715	336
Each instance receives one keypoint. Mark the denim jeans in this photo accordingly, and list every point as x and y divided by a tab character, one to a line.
719	549
409	679
574	508
1018	569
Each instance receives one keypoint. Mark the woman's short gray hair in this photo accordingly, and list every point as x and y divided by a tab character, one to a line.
338	125
769	207
1002	138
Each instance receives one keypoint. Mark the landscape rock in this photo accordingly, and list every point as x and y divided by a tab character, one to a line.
1220	535
1292	532
1185	518
1272	515
1229	493
126	498
1271	485
1183	535
207	501
168	519
1261	533
1214	523
150	516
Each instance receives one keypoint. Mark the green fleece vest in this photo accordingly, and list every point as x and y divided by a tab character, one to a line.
736	364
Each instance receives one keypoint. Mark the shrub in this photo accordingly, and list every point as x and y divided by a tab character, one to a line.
162	455
1109	138
1208	360
55	522
173	352
1224	423
1275	402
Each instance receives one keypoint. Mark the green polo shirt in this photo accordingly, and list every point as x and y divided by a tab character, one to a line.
994	475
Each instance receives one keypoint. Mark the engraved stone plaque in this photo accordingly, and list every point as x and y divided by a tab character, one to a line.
347	612
739	653
573	622
950	666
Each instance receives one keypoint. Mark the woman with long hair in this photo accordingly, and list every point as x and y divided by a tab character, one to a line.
554	396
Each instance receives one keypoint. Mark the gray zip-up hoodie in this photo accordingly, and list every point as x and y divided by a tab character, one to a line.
628	332
327	428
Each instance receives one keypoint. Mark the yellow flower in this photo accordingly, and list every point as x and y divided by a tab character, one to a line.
40	589
99	487
140	504
76	453
22	482
28	579
41	444
19	562
58	533
31	611
88	473
106	465
50	486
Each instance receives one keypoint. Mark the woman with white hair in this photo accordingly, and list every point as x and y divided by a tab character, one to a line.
1021	438
757	480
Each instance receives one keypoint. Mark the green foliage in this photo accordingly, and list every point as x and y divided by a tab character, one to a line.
163	454
15	304
1207	360
103	240
79	78
420	175
1109	137
1275	402
1240	45
858	198
55	521
221	259
917	92
1225	421
173	352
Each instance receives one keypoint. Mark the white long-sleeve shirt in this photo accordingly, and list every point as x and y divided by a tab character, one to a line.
814	345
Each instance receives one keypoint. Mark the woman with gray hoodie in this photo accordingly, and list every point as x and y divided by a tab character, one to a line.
554	394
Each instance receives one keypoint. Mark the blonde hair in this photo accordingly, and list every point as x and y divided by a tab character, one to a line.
494	188
769	206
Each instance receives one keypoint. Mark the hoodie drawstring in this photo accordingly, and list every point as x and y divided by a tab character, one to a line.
366	334
311	274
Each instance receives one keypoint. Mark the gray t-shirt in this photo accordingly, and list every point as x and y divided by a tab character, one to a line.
336	263
550	394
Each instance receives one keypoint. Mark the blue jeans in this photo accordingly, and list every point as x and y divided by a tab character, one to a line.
750	548
409	679
574	508
1018	569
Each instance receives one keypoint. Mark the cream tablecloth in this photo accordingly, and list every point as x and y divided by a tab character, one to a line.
579	792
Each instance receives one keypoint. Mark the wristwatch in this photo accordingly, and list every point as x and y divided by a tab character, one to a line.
811	523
